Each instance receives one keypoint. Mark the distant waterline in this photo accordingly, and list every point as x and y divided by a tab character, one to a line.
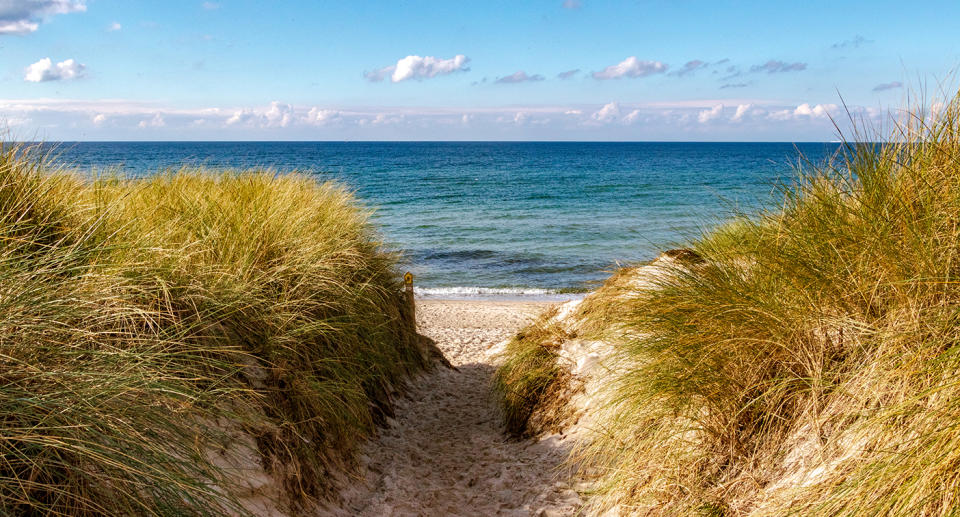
506	219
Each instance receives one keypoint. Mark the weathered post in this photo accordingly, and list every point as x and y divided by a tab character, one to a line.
408	290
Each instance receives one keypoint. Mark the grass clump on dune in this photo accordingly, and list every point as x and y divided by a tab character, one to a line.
809	365
143	322
531	377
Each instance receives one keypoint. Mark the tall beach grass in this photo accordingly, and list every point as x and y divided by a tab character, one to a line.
809	365
144	322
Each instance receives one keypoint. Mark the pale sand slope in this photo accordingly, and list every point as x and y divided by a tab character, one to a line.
446	454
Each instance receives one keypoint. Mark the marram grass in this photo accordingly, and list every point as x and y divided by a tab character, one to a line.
136	316
810	365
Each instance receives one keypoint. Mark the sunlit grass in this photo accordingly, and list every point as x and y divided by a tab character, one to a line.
136	313
809	365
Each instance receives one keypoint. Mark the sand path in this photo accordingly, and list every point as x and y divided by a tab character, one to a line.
445	453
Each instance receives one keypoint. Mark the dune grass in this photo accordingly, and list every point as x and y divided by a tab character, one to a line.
137	316
809	366
531	376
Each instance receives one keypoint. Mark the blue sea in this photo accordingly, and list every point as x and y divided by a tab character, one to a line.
507	219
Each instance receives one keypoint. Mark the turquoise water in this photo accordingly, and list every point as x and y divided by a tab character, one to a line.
506	218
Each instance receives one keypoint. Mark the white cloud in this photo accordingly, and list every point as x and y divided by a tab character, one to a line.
25	16
321	116
240	117
742	110
384	119
156	121
210	6
66	119
780	115
707	115
278	114
571	4
802	112
45	70
607	113
631	67
818	111
115	26
417	67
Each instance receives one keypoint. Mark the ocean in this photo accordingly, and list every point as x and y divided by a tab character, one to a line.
507	219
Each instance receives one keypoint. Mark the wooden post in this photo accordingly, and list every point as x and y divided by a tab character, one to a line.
408	289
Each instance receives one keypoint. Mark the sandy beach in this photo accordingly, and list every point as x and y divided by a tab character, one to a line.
445	453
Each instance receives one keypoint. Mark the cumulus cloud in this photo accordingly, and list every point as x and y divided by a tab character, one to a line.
775	67
856	42
887	86
689	67
707	115
321	116
742	110
568	74
156	121
818	111
607	113
519	77
803	112
44	70
242	116
631	117
417	67
99	118
114	27
571	4
631	67
277	114
383	119
25	16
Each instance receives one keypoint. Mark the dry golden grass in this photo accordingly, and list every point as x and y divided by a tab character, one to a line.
133	313
809	365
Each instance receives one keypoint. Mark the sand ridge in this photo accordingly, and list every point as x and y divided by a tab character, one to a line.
445	453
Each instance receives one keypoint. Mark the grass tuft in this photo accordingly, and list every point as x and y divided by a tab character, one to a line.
531	378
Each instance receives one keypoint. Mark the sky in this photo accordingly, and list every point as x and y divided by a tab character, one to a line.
661	70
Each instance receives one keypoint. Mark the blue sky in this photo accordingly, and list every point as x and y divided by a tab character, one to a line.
442	70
